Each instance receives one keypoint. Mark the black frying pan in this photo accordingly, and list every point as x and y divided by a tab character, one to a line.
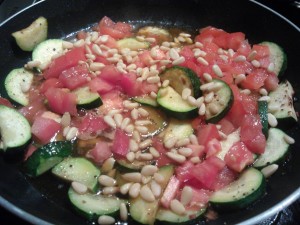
43	200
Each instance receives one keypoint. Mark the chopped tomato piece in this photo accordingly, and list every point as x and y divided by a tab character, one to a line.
116	30
74	77
170	192
120	145
208	171
100	152
64	62
61	101
44	129
238	157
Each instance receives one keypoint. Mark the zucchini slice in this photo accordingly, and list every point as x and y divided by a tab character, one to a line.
181	78
145	100
173	105
44	51
47	156
277	56
31	36
221	103
282	97
91	206
17	84
15	131
87	99
158	33
133	44
78	169
275	151
144	212
166	216
263	114
249	187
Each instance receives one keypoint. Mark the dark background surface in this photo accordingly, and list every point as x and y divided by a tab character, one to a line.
288	8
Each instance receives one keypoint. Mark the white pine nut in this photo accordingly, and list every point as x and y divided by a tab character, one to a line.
134	190
149	170
176	157
288	139
133	177
185	152
110	190
79	188
186	195
110	121
216	69
107	181
147	194
178	61
158	178
125	188
155	188
154	152
269	170
123	212
170	142
177	207
272	120
104	219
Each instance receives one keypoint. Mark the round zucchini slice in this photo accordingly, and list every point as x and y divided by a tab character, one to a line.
249	187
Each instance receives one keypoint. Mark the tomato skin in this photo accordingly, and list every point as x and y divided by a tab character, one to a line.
51	82
6	102
251	134
64	62
120	145
207	172
74	77
61	101
44	129
206	133
170	192
238	157
100	152
116	30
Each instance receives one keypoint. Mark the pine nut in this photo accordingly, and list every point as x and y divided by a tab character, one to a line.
177	207
186	195
154	152
125	188
155	188
110	190
123	212
107	181
79	188
182	142
134	190
269	170
185	152
176	157
288	139
149	170
158	178
110	121
193	139
170	142
178	61
104	219
147	194
133	177
216	69
202	61
272	120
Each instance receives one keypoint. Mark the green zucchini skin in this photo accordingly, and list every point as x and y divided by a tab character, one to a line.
248	188
47	156
223	98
